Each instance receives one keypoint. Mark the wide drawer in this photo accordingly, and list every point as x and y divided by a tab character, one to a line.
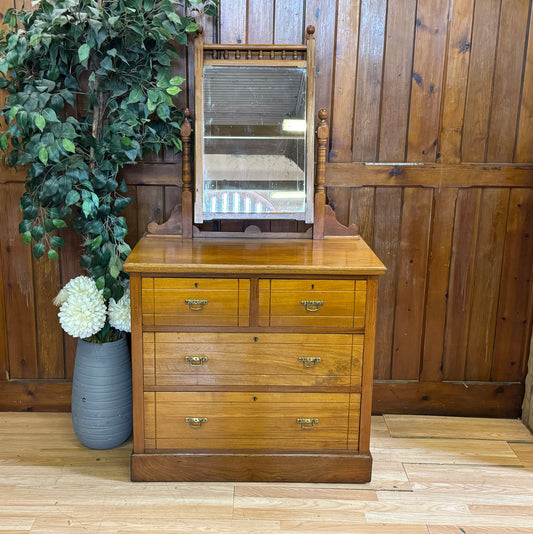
249	420
326	303
195	302
221	359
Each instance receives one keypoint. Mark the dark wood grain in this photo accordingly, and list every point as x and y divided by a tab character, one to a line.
507	79
462	272
513	323
362	200
426	88
437	284
369	78
456	80
480	80
488	272
343	87
387	221
524	146
410	295
397	72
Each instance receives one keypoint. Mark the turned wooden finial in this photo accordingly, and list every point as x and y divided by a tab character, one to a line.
200	30
323	129
310	32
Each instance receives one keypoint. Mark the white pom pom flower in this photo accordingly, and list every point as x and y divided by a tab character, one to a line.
83	314
120	312
77	286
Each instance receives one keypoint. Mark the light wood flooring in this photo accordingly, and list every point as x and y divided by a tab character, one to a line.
432	475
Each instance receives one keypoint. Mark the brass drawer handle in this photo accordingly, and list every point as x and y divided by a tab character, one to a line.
196	304
309	361
312	305
195	422
307	423
196	360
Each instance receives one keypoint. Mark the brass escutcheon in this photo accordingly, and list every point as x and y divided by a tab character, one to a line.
196	360
196	304
307	423
309	361
195	422
312	305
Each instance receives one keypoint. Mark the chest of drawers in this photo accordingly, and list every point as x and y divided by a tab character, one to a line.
252	359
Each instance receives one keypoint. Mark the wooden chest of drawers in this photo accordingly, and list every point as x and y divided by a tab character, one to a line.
252	359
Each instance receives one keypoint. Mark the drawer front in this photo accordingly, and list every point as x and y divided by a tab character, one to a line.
175	359
298	421
327	303
195	302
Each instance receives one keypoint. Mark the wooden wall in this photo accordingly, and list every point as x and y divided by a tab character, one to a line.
431	152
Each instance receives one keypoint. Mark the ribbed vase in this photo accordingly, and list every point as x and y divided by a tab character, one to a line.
101	394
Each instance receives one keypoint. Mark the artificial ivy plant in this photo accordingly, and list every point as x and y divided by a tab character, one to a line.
90	90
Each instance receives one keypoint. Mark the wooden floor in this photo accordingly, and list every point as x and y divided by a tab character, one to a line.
432	475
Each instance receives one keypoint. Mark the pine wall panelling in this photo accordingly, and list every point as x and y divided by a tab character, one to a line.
431	153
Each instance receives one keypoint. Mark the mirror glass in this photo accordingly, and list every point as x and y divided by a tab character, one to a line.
254	142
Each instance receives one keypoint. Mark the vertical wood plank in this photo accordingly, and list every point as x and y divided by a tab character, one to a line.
321	15
507	80
289	21
4	360
512	326
524	146
49	332
412	269
460	287
172	199
362	211
426	88
18	288
456	81
232	20
437	284
387	219
369	79
339	199
69	259
486	283
480	80
131	217
260	22
397	72
343	87
150	206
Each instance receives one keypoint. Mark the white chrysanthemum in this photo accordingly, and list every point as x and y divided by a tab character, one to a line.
77	286
120	313
83	314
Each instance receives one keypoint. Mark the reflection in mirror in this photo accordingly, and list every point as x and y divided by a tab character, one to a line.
254	142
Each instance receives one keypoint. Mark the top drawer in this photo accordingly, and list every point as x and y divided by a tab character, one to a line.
328	303
195	302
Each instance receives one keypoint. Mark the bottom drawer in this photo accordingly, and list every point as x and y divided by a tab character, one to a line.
297	421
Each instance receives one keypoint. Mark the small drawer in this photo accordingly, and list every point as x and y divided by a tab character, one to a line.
195	302
298	421
227	359
327	303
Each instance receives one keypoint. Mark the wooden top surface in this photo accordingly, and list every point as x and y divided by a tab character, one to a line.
174	255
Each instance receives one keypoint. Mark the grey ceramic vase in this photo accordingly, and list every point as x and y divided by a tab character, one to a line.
101	394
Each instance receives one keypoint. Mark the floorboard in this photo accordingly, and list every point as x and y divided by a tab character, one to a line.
432	475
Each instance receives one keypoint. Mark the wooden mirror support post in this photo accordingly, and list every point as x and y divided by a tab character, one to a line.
252	353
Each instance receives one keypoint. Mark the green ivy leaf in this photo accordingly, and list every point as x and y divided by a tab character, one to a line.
53	255
176	80
38	250
87	207
100	282
83	52
173	91
72	198
59	223
43	156
68	145
26	238
37	232
40	122
57	241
